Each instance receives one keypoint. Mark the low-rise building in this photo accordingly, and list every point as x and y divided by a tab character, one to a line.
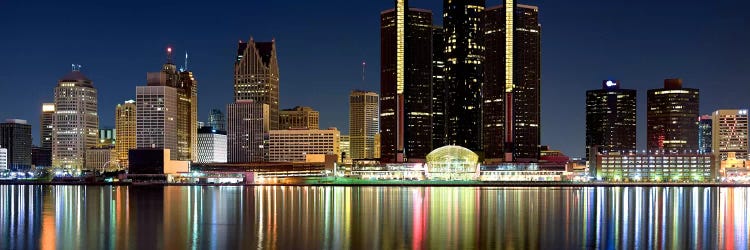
101	158
295	144
635	167
212	145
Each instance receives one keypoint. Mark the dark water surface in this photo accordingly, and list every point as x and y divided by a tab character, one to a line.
155	217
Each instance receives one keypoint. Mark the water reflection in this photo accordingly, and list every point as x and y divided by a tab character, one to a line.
105	217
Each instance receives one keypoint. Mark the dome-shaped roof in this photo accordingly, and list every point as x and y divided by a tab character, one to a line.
75	76
452	152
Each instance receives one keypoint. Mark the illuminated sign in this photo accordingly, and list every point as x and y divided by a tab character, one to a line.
611	84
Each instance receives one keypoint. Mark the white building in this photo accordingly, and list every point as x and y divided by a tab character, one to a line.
3	159
212	145
156	118
298	145
76	122
729	133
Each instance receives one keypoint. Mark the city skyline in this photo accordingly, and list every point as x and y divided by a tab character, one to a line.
691	56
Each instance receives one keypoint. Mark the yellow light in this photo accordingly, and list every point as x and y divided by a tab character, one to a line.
400	39
509	6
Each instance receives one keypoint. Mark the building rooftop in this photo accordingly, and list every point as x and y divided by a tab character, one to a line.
75	76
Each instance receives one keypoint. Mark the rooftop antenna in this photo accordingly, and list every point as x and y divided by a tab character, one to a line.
169	54
75	67
186	61
364	65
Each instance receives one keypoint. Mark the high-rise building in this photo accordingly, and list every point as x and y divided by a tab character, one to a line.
125	130
107	137
3	159
344	147
212	145
299	118
101	158
76	122
15	136
299	145
512	78
730	133
611	118
156	118
405	83
247	131
464	56
46	126
363	123
256	76
704	134
438	87
672	124
217	121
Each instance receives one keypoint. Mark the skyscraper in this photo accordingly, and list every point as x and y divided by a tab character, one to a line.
125	130
15	136
247	131
672	124
406	83
511	103
107	137
46	126
156	118
438	87
704	134
364	123
464	55
299	118
730	133
217	121
76	122
610	118
256	76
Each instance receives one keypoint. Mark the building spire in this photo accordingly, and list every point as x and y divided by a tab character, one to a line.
169	54
364	65
75	67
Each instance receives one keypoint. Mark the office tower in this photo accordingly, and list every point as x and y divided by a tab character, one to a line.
3	159
364	123
730	133
303	145
46	126
125	130
405	83
41	157
156	118
187	105
76	121
256	76
512	77
346	154
464	55
212	145
101	158
15	136
217	121
299	118
438	87
704	134
107	137
672	126
247	130
611	119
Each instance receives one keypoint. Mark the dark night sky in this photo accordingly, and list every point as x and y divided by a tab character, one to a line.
322	43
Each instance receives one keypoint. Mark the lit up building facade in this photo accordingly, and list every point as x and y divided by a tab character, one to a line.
107	137
256	76
730	133
212	145
303	145
672	124
705	134
364	124
675	167
438	87
217	120
46	126
156	118
76	121
125	130
101	158
512	78
299	118
3	159
247	131
344	147
15	137
611	118
406	83
464	56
